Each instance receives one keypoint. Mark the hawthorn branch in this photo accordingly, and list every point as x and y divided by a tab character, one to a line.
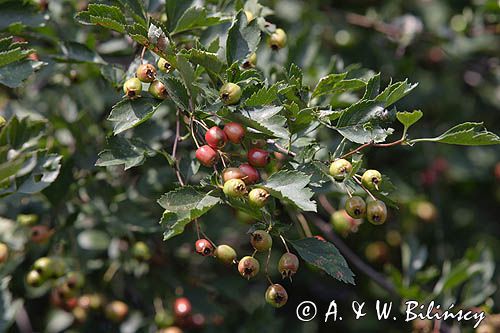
174	149
280	148
373	144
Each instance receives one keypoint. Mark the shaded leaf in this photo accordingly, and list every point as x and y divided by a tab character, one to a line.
466	134
243	38
291	186
119	150
129	113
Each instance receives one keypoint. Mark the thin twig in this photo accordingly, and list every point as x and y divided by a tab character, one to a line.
326	204
284	243
304	224
267	266
280	148
174	149
364	188
372	144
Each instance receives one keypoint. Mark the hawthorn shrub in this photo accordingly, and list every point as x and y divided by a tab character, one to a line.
155	137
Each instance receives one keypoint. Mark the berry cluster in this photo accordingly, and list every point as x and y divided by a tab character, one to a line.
146	73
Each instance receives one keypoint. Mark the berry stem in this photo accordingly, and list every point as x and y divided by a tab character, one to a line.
174	149
326	204
142	53
267	266
191	128
280	148
304	224
364	188
284	243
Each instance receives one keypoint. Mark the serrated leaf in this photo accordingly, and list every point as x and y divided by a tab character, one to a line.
120	150
176	90
182	206
129	113
409	118
210	61
466	134
291	186
136	7
195	18
263	96
372	87
104	15
324	255
394	92
242	39
327	83
266	120
174	10
44	173
15	73
361	134
13	55
76	52
22	16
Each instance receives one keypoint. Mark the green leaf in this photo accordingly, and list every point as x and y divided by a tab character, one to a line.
361	134
409	118
242	39
120	150
136	7
182	206
175	9
13	55
196	18
44	173
95	240
176	90
264	96
372	87
324	255
266	120
10	168
129	113
394	92
110	17
291	186
466	134
22	16
327	84
79	53
210	61
22	134
15	73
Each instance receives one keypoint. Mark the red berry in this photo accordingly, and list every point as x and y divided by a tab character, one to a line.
276	295
252	175
232	173
204	247
234	132
182	307
40	234
288	265
206	155
258	157
216	138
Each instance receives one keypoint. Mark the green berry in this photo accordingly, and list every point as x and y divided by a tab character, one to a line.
235	188
45	267
276	295
277	40
157	90
340	169
251	61
376	212
164	65
132	88
355	207
258	197
146	73
248	267
116	311
371	179
341	222
27	219
34	279
141	251
163	319
225	254
261	240
230	93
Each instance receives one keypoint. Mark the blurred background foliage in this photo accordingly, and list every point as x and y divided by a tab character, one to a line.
443	243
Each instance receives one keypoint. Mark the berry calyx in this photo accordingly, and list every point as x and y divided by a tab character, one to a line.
206	155
258	158
4	253
204	247
141	251
371	179
288	265
225	254
261	240
258	197
248	267
252	176
251	61
216	138
376	212
163	319
232	173
182	307
234	132
116	311
146	73
340	169
164	65
230	93
277	40
276	295
132	87
34	279
355	207
158	90
235	188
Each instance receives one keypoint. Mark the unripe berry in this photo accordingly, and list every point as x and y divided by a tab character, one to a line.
232	173
277	40
355	207
157	90
164	65
371	179
45	267
340	222
340	169
258	158
251	61
230	93
258	197
261	240
146	73
74	281
248	267
27	219
41	234
4	253
34	279
288	265
234	132
225	254
216	138
163	319
204	247
116	311
377	252
252	176
182	307
376	212
141	251
132	87
206	155
234	188
80	314
276	295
